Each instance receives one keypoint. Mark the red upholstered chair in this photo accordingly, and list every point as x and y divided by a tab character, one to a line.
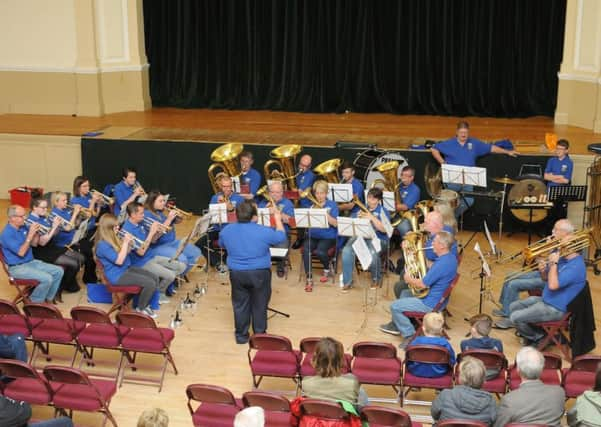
558	332
581	375
377	363
460	423
74	391
551	374
426	354
99	332
316	264
492	360
272	356
24	287
380	416
49	327
307	348
12	321
312	411
525	425
122	295
276	407
217	408
27	385
143	336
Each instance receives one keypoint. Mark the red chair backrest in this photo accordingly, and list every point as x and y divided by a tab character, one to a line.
446	294
132	319
8	308
90	315
307	345
267	401
492	359
323	409
17	369
42	311
269	342
377	350
586	362
67	375
427	354
552	360
210	394
3	262
382	416
460	422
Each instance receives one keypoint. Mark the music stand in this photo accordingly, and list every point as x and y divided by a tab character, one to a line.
218	215
463	175
80	233
567	193
340	193
485	274
311	218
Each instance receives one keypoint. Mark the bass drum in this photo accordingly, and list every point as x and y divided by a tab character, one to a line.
528	187
366	161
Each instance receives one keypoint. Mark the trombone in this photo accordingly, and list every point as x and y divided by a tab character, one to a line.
162	227
103	197
42	229
136	243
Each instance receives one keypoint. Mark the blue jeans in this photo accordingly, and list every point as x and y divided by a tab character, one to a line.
531	310
512	288
13	347
464	202
406	302
348	261
49	276
404	227
55	422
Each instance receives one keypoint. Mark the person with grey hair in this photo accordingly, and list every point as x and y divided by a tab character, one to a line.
253	416
533	402
466	400
155	417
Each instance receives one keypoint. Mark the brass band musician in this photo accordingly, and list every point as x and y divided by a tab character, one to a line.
347	170
410	195
249	176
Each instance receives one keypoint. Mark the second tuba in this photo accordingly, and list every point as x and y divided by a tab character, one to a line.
226	162
281	167
415	260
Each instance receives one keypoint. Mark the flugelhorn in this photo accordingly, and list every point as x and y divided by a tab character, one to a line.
264	192
42	229
137	185
135	242
360	204
162	227
87	212
103	197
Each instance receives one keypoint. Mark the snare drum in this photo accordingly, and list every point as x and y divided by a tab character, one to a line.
448	196
367	160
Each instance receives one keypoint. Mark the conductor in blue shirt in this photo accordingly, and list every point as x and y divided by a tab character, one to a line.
463	151
559	172
249	262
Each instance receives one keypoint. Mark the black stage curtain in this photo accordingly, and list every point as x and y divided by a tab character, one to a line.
444	57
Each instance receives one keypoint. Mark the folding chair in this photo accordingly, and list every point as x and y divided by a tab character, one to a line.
377	363
122	295
276	407
558	332
27	384
315	263
581	375
551	374
272	356
460	423
217	408
426	354
12	321
321	410
143	336
98	332
492	360
75	391
50	327
380	416
24	287
525	425
307	348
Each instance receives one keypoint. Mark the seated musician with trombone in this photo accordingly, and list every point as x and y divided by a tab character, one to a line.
144	256
167	244
127	191
304	180
274	197
347	170
409	194
16	241
320	240
71	217
248	175
231	199
374	211
425	290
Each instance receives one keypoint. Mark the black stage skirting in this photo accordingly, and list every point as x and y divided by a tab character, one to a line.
180	169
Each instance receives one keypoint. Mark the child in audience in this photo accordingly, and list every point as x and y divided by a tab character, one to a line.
480	328
433	324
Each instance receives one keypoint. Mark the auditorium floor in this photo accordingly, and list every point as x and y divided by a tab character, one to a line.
205	350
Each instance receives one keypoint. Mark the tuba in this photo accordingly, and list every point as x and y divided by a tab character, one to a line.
281	167
329	170
391	183
226	162
415	260
412	216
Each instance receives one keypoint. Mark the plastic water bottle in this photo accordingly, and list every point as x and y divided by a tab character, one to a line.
340	281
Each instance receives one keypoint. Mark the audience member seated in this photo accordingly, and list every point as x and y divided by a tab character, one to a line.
13	347
330	383
533	402
481	326
466	400
14	413
253	416
587	410
433	324
155	417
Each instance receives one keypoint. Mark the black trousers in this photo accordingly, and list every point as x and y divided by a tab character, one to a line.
251	291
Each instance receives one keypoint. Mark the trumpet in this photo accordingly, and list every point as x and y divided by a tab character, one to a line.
180	213
64	223
136	243
87	212
162	227
103	197
42	229
138	185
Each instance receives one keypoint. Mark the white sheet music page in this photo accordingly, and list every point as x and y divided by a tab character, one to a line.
340	193
491	243
387	225
263	217
362	251
485	265
218	213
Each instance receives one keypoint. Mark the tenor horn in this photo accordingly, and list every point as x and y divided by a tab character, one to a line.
226	162
281	167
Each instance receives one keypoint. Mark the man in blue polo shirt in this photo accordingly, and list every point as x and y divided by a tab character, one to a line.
559	172
566	277
304	180
127	191
410	193
249	262
437	279
16	240
347	170
249	176
463	151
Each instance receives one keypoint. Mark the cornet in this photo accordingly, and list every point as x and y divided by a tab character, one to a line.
162	227
42	229
103	197
138	185
180	213
64	223
136	243
87	212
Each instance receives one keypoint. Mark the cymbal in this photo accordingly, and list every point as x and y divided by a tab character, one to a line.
505	180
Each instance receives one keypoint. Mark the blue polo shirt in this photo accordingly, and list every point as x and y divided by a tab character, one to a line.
247	245
303	181
84	201
466	155
431	370
377	212
439	277
253	179
484	343
285	205
410	194
559	167
430	252
43	220
359	191
330	232
571	275
121	192
235	199
63	238
108	257
11	240
160	217
139	232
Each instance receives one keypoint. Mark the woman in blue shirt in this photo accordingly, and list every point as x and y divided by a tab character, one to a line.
84	198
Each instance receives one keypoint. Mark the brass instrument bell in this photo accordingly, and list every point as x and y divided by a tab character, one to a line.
226	162
282	166
329	170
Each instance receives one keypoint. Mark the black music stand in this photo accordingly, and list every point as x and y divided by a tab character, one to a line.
567	193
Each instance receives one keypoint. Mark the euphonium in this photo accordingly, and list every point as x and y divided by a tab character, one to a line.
391	183
415	260
412	216
329	170
226	162
424	206
281	167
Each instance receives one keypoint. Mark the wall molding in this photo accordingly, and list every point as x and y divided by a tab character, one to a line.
74	70
102	32
578	66
578	78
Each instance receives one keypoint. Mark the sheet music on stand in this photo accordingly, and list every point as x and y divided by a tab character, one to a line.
263	217
80	233
311	218
567	193
361	229
218	213
491	243
200	227
278	252
340	193
388	200
485	266
464	175
236	184
362	251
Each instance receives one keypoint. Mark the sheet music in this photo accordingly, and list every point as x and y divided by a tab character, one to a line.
355	227
218	213
340	193
377	245
201	226
485	265
387	225
388	201
362	251
80	232
236	184
311	218
263	217
464	175
278	252
491	243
